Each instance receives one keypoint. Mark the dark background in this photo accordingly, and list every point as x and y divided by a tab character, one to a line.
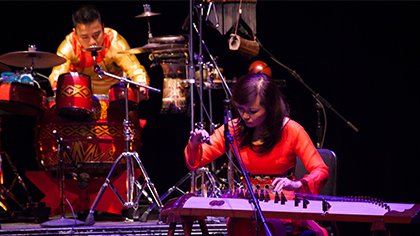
362	57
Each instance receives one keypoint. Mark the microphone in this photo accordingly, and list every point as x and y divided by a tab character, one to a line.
94	49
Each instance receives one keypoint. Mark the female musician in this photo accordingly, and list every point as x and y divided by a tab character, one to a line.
268	143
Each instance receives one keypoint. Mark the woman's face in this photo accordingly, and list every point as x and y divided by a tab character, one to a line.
252	113
91	34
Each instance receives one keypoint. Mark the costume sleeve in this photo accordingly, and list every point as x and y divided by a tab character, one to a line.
205	153
64	50
128	62
312	160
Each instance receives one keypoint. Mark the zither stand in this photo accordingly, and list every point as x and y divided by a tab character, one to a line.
134	188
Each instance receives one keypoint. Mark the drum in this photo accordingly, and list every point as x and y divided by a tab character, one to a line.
74	95
173	61
21	95
116	109
93	145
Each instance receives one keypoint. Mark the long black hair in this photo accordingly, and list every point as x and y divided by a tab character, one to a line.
245	91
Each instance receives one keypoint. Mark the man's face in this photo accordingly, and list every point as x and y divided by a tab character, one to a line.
91	34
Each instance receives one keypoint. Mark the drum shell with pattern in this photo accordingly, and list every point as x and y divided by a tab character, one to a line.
74	95
93	144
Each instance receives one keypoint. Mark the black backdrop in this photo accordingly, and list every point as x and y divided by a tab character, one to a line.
362	57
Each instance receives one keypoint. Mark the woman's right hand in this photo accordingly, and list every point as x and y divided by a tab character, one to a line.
198	136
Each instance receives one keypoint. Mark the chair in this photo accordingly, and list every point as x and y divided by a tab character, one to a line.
330	187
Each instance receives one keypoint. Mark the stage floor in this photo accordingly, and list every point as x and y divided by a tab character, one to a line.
151	227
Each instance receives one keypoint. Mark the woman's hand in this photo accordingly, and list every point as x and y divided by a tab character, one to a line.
280	183
198	136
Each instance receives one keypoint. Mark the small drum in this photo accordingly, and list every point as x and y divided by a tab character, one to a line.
74	95
21	95
116	109
94	144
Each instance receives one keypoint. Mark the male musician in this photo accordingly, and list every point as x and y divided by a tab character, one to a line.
88	32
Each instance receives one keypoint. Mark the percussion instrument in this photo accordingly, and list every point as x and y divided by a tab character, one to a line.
74	95
147	12
116	109
151	47
4	68
93	144
173	61
20	94
32	59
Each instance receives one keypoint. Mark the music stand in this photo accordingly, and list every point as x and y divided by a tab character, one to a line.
129	155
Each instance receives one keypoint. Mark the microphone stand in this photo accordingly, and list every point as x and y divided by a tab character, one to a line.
98	70
317	96
230	143
62	221
227	116
131	200
319	133
228	94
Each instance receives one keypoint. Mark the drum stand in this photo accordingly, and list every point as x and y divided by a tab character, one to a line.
133	196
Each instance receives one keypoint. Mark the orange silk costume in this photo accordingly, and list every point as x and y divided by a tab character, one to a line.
109	59
295	142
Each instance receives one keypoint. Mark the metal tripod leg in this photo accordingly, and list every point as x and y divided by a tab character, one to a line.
145	215
203	172
131	183
6	193
3	203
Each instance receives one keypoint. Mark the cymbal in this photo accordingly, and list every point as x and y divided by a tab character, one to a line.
151	47
33	59
4	68
168	39
147	14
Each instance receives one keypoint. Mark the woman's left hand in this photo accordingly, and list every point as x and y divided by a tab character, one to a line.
280	183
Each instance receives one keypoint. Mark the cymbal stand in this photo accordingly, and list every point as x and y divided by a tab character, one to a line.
202	44
132	196
7	193
147	9
204	172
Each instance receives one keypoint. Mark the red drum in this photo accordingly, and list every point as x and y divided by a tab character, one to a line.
94	144
19	95
116	109
74	95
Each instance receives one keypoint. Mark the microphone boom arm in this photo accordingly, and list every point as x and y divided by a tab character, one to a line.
99	71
